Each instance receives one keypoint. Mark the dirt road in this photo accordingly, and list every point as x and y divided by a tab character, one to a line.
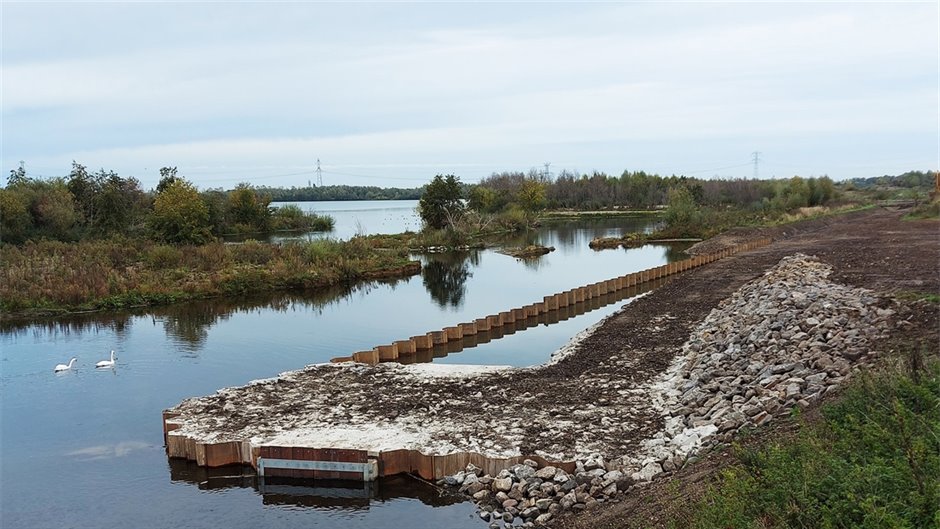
874	249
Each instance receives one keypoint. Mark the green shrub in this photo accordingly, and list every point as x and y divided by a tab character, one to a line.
163	256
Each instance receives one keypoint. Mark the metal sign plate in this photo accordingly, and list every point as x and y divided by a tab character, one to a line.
369	469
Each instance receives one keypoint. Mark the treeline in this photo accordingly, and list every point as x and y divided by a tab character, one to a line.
642	191
327	193
93	205
911	179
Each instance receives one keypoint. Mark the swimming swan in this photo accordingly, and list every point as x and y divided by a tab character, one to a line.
63	367
106	363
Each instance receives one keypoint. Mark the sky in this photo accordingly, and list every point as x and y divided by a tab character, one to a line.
390	94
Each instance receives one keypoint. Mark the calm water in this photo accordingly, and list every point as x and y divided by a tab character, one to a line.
84	448
365	217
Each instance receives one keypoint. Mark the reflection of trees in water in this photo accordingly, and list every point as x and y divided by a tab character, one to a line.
576	233
534	263
119	324
445	276
676	251
188	324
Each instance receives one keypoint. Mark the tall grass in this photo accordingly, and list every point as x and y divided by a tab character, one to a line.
57	276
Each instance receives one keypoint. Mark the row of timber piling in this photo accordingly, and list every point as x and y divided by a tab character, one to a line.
403	350
367	465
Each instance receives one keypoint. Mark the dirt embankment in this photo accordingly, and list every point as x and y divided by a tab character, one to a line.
874	250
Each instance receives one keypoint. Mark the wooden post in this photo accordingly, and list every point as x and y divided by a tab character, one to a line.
366	357
507	317
454	333
405	346
437	337
519	314
422	342
550	303
494	321
387	353
469	329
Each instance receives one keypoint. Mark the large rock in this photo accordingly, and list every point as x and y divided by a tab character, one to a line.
502	484
546	472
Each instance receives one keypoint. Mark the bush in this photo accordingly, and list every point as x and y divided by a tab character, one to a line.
291	217
253	252
162	257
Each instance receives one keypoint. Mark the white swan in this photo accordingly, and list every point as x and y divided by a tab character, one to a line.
106	363
63	367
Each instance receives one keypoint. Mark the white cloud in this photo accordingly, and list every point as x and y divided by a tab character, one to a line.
563	82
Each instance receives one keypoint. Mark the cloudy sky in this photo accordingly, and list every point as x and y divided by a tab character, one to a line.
391	94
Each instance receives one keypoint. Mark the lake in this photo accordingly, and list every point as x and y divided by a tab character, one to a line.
84	448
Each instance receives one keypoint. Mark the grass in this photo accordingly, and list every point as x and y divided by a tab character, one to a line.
911	295
927	210
871	462
709	222
51	276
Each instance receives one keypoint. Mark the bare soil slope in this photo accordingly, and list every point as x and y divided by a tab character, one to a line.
876	250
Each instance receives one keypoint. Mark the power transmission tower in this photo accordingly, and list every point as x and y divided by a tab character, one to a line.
756	155
319	174
547	174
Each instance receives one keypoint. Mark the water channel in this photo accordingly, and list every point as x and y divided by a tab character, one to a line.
84	448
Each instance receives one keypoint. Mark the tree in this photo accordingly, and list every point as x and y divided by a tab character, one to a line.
682	210
179	214
53	209
441	203
15	220
119	203
167	177
248	209
17	176
482	199
107	202
531	195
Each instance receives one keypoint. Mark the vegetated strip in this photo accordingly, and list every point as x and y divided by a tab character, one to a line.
49	277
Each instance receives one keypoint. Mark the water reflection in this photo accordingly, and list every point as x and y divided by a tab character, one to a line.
445	276
309	493
187	324
548	318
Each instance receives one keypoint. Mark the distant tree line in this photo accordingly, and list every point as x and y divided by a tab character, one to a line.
641	191
911	179
342	192
90	205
